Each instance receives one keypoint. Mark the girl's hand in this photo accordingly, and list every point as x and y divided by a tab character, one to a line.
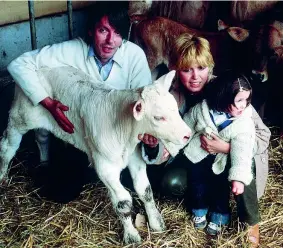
148	139
237	187
214	145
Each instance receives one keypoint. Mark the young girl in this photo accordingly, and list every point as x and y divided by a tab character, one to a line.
227	113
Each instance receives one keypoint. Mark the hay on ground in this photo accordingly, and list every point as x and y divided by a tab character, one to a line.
28	220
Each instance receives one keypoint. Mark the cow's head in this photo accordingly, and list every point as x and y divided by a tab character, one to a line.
158	112
264	44
139	7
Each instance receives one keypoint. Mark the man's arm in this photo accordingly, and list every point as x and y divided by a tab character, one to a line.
24	71
24	68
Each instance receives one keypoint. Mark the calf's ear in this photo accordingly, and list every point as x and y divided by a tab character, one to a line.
138	110
278	52
166	80
238	34
222	25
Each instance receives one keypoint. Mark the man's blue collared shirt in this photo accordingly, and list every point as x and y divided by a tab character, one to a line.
104	70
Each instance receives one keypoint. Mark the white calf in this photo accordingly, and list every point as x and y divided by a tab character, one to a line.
107	124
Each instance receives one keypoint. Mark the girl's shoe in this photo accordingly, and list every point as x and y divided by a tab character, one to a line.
213	229
200	222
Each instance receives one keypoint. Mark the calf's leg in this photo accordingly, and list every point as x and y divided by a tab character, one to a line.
42	138
142	186
8	146
109	173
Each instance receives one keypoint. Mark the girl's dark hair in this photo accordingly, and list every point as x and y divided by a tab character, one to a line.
117	12
221	92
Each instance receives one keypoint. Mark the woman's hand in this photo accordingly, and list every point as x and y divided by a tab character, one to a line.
214	145
165	154
56	109
148	139
237	187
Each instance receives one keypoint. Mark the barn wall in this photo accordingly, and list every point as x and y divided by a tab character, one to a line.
15	38
17	11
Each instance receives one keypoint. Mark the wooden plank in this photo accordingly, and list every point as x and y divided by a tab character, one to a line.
17	11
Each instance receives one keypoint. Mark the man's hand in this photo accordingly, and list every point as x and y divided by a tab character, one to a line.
56	108
148	139
214	145
237	187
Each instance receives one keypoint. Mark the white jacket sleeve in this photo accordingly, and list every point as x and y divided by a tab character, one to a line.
141	75
24	68
241	156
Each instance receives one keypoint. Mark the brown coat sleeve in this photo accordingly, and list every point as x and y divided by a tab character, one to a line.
261	153
262	134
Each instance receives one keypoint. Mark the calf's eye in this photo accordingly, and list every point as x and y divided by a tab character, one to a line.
159	118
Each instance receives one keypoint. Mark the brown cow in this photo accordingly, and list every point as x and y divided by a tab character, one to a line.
267	39
275	101
204	14
265	42
191	13
247	11
156	36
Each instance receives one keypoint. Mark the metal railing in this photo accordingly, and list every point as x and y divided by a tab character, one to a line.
33	27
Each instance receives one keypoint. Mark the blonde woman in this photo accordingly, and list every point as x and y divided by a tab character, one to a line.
191	58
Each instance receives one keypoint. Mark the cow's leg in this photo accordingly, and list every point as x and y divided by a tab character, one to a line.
109	173
8	146
142	186
42	141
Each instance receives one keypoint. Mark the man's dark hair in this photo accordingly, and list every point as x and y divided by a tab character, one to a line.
221	92
117	12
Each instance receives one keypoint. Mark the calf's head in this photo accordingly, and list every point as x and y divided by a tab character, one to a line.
158	112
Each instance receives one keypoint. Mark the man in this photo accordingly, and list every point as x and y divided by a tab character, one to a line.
106	56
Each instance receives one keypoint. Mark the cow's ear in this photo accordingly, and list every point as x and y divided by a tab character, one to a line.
238	34
222	25
138	110
166	80
278	52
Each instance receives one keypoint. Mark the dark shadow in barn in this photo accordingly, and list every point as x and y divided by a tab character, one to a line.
63	178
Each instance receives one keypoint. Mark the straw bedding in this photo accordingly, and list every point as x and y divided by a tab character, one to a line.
29	220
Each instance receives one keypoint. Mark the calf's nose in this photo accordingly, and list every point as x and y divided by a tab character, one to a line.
186	138
260	75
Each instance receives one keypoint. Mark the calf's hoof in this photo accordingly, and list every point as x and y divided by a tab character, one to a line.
158	226
132	237
4	181
157	223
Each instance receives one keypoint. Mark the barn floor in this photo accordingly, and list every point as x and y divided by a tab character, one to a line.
36	211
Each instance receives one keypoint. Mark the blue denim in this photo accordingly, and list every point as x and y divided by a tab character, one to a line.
207	190
199	212
220	219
